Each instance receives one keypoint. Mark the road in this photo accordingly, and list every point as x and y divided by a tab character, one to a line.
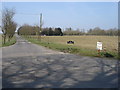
26	65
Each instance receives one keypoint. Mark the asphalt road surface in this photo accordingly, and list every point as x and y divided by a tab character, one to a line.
26	65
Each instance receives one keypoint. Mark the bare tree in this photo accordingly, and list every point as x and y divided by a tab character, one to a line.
8	25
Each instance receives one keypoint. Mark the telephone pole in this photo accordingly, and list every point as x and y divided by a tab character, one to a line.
40	25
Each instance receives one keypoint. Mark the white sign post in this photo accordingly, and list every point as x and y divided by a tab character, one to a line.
99	45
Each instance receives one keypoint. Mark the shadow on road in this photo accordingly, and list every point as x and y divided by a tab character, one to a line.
58	71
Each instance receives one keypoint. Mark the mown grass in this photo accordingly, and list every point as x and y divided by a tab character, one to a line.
12	41
84	45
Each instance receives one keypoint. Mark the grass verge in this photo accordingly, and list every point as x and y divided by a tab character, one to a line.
12	41
74	50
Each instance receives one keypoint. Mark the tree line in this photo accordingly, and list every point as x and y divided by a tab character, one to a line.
99	31
35	30
94	31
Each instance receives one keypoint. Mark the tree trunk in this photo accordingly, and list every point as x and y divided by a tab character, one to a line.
9	38
4	39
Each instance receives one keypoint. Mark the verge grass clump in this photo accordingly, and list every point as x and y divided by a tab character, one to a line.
8	43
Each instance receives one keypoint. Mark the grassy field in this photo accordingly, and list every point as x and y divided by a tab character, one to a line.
12	41
110	42
83	45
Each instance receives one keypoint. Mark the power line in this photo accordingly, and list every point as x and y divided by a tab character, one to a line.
26	13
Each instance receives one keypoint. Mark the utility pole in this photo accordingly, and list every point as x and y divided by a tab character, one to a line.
40	25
